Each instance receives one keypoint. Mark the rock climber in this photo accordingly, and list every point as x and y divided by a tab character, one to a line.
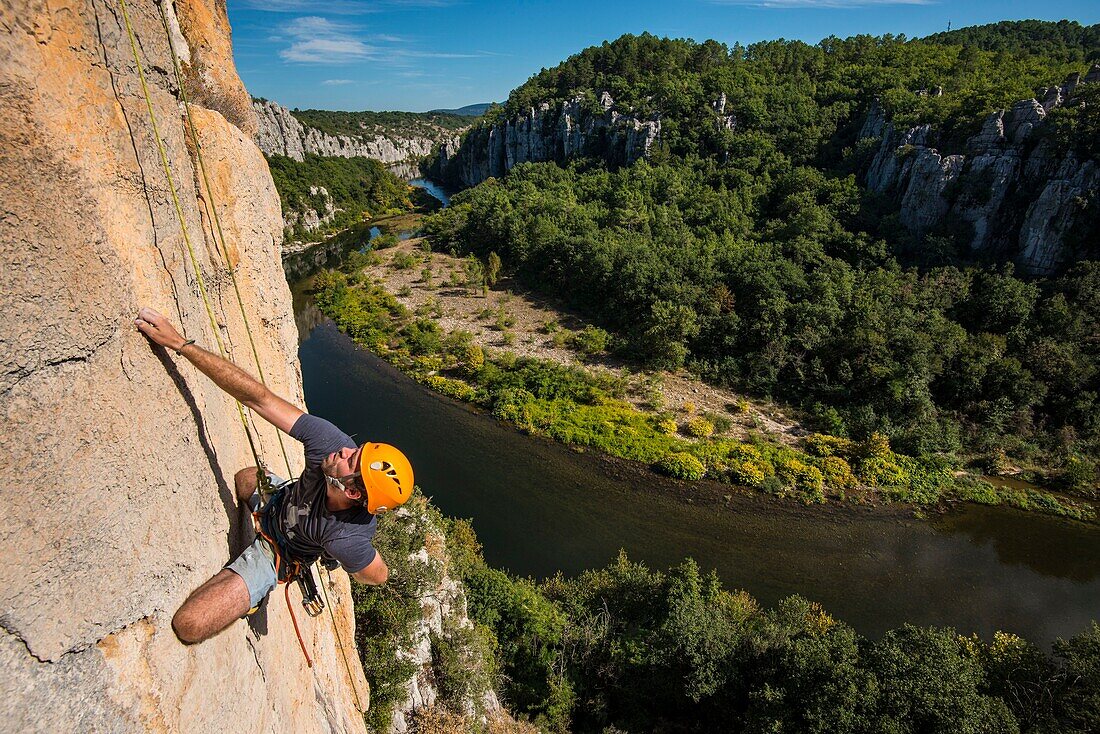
330	512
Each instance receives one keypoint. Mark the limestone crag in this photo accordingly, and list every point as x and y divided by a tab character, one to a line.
547	132
122	454
442	601
1016	193
309	218
278	132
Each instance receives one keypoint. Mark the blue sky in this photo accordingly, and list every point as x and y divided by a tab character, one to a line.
423	54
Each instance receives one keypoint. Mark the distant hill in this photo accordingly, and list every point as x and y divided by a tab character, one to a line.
470	110
1066	40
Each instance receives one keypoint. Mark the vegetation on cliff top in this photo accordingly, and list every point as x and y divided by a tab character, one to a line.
389	124
360	189
750	254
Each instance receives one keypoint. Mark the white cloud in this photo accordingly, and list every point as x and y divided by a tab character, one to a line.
313	39
337	82
321	41
830	4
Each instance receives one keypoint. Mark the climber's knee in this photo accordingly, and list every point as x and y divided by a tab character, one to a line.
245	483
212	607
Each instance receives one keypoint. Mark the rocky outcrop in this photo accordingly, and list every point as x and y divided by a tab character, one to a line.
1017	195
278	132
442	602
548	132
120	457
309	218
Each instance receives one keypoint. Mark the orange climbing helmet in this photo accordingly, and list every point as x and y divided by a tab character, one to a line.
387	475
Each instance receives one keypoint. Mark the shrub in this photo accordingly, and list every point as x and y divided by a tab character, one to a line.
590	340
689	407
881	472
667	426
510	405
721	423
837	472
681	465
749	473
456	389
471	357
876	446
820	444
404	260
423	336
807	479
1079	474
698	427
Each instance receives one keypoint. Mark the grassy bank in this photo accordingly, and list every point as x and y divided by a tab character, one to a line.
589	408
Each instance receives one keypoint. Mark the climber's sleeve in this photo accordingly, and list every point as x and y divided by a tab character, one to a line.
352	545
319	437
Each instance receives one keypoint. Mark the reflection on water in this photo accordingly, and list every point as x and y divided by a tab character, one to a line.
1044	544
432	188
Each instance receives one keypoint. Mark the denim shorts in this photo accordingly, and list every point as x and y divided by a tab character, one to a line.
256	565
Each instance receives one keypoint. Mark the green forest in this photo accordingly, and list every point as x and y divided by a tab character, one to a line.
753	257
390	124
360	189
629	649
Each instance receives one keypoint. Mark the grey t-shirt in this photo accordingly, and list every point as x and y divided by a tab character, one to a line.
310	528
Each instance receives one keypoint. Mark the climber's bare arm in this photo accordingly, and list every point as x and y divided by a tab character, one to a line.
226	375
375	573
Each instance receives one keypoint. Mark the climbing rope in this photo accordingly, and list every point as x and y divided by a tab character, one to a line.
179	215
340	644
219	239
223	252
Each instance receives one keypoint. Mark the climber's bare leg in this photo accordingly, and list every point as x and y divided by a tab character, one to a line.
245	482
212	607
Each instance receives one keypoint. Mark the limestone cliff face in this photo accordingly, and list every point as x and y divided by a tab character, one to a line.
1019	196
548	132
278	132
120	457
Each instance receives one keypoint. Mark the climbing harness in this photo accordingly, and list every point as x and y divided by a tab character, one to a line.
296	570
287	569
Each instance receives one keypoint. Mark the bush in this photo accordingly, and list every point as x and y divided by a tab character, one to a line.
456	389
590	340
511	404
820	444
1079	474
838	474
423	336
698	427
749	473
667	426
404	260
721	423
882	472
681	465
876	446
803	477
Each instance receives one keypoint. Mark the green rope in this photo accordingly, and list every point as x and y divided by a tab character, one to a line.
223	252
219	240
179	215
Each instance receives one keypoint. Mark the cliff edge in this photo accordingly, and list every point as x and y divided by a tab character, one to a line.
120	457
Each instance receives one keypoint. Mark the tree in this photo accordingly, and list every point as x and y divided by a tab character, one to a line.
492	269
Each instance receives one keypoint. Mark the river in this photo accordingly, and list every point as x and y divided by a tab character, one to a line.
540	508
